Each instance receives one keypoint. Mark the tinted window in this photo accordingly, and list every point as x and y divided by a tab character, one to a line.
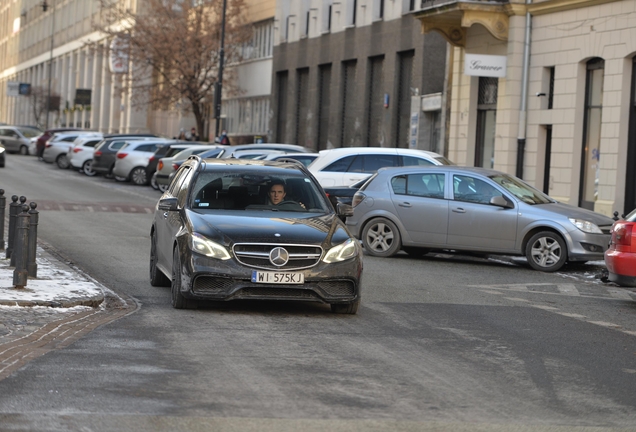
371	163
116	145
469	189
425	185
415	161
69	138
91	143
147	148
341	165
399	185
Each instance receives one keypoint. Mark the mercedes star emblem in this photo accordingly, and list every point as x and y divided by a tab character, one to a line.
279	256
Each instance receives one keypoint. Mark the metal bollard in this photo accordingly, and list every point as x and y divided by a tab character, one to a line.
20	273
3	205
18	210
12	214
34	217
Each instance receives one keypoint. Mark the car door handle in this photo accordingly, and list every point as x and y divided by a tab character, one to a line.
405	204
165	215
459	210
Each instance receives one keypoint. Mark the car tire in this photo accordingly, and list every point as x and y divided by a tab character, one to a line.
138	176
153	181
62	161
415	251
24	150
546	251
157	278
178	300
381	238
346	308
120	179
87	168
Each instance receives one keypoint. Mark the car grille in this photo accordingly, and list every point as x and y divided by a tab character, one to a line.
212	285
276	292
337	288
256	255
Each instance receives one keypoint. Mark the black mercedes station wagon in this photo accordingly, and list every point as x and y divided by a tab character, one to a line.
229	229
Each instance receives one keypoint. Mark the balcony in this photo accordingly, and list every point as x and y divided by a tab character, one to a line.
452	18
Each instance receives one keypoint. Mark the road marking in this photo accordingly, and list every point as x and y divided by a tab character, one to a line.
605	324
548	308
572	315
568	289
517	299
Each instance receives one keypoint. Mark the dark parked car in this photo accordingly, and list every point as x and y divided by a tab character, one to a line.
42	139
475	210
216	235
104	155
164	151
620	257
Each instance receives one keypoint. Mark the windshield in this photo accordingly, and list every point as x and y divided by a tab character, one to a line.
521	190
443	161
262	191
29	132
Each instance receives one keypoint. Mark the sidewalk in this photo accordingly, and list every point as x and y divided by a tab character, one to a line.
57	285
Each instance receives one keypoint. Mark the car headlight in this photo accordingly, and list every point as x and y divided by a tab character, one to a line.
209	248
342	252
586	226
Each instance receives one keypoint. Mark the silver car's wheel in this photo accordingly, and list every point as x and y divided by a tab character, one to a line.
546	251
87	168
153	181
62	162
138	176
178	300
24	150
381	238
162	187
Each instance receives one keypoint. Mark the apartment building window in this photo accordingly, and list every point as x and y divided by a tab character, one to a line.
326	11
486	122
281	90
548	159
262	43
324	105
352	7
378	9
403	100
551	88
347	117
302	106
375	103
591	146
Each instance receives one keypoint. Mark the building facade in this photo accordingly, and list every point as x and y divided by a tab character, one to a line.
356	73
58	36
563	115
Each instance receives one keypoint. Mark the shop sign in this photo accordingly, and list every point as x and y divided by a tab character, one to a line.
485	65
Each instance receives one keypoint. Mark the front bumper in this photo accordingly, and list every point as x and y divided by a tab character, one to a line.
210	279
587	247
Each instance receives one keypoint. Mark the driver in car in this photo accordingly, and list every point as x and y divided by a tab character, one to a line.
277	194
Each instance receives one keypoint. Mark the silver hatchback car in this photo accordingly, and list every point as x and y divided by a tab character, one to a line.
419	209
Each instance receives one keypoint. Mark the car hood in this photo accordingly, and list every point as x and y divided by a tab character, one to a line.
263	227
570	211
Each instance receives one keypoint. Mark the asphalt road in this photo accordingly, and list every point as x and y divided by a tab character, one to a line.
441	342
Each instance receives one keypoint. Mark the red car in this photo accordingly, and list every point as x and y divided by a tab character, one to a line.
42	139
620	257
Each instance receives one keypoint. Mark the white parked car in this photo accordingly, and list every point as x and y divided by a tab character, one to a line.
132	159
58	147
348	165
81	158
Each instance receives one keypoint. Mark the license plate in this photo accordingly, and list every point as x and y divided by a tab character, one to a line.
277	277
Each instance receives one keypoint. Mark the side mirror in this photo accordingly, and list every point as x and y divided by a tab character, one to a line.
344	210
500	201
169	204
